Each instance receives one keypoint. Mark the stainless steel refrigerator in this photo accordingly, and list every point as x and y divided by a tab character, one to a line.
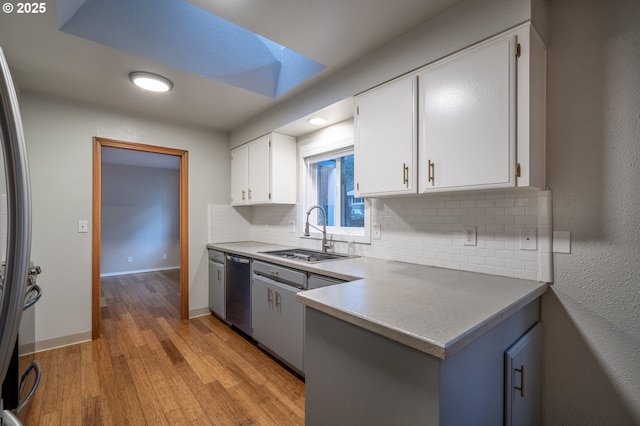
17	275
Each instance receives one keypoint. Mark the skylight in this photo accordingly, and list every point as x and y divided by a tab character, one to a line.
181	35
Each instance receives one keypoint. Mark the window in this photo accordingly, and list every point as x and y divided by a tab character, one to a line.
328	182
332	188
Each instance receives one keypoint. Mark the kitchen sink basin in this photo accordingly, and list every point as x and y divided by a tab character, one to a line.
304	255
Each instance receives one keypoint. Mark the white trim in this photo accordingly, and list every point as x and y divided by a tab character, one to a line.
138	271
200	312
315	146
58	342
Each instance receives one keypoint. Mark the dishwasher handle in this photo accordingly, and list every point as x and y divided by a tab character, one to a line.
236	259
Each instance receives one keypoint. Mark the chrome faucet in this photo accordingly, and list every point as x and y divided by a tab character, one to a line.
325	246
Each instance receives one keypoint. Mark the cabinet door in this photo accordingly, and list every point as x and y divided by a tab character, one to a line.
278	319
386	140
216	289
262	307
523	379
259	170
239	175
289	341
467	119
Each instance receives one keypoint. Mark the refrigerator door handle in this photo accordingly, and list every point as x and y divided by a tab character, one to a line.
19	218
36	369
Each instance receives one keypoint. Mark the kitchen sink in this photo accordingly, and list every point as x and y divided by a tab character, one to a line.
304	255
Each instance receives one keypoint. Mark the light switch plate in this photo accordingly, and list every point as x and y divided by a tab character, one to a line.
376	231
561	241
528	239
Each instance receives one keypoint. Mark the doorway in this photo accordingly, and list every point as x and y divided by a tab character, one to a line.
98	143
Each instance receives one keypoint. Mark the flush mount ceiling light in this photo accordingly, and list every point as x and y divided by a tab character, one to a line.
317	121
150	81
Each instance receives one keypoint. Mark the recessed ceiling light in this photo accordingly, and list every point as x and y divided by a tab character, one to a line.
317	121
150	81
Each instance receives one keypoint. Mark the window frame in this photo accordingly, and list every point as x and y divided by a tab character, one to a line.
316	147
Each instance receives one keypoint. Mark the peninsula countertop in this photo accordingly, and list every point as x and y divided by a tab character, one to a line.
434	310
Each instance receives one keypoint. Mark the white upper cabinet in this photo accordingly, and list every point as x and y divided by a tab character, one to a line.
473	120
263	171
475	116
386	140
467	119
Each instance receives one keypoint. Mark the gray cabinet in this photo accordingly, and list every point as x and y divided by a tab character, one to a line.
317	281
354	376
523	380
216	284
277	318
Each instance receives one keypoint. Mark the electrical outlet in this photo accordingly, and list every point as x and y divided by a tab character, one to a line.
130	259
470	238
164	255
291	227
528	239
83	226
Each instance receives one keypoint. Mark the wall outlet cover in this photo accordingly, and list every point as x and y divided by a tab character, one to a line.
469	236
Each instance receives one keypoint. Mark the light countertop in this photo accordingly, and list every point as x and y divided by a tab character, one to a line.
434	310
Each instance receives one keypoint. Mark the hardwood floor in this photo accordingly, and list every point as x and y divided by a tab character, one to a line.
150	367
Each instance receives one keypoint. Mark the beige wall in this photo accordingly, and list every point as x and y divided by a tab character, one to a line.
59	143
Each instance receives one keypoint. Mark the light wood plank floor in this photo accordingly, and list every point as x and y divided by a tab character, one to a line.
150	367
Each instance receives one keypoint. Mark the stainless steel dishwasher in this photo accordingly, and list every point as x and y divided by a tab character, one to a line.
238	292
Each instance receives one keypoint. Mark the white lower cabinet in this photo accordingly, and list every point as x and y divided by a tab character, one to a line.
277	317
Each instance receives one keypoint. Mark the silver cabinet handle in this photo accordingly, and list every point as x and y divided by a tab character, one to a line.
405	174
243	195
521	388
278	299
269	296
431	170
219	278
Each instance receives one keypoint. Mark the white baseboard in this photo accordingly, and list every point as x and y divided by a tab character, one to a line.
199	312
138	271
58	342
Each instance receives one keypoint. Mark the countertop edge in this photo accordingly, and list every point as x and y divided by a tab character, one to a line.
441	350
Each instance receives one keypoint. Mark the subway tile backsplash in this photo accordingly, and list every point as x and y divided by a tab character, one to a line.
422	229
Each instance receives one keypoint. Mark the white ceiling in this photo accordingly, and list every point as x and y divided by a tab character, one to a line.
332	32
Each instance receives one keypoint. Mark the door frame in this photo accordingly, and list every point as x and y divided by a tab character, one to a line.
98	143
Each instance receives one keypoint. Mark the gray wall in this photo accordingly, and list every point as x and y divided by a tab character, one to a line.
591	315
140	218
59	143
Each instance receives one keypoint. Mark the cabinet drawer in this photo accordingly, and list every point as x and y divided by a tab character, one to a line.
216	256
280	274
